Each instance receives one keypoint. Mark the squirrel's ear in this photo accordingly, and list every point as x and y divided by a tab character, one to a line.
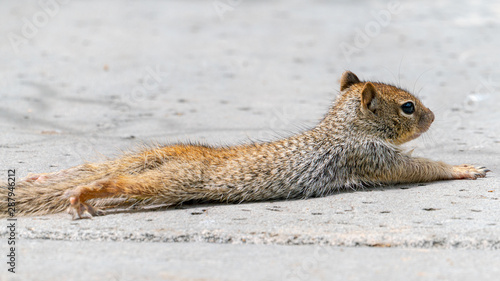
347	80
368	97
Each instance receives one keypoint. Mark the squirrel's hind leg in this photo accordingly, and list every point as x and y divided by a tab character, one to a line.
54	176
107	187
81	172
78	209
113	186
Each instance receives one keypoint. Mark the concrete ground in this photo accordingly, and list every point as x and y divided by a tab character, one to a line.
83	80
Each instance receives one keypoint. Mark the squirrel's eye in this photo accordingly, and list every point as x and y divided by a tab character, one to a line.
408	107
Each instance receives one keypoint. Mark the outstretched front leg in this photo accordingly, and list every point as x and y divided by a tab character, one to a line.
407	169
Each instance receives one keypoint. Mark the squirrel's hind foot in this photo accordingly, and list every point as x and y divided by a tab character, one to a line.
80	210
54	176
35	177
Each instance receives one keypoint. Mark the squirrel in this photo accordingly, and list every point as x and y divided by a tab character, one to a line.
355	145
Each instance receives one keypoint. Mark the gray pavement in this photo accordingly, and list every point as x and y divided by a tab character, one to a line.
84	80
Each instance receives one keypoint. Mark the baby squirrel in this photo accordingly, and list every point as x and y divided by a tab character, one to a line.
355	145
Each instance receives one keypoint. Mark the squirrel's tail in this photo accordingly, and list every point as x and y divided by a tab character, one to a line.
30	198
33	198
46	193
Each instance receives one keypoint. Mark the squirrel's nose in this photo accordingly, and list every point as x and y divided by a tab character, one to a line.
431	116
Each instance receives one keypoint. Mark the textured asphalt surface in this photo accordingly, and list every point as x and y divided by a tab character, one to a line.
84	80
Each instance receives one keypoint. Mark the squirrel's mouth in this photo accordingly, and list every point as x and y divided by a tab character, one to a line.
423	125
414	135
417	134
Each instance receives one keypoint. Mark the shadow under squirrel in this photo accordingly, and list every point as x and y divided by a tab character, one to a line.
355	145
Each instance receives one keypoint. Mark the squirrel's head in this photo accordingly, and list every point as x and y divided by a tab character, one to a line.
385	110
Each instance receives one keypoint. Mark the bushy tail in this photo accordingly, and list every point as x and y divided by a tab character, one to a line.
30	198
45	193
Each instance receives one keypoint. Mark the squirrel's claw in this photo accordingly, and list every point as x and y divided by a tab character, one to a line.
83	211
484	169
80	210
77	212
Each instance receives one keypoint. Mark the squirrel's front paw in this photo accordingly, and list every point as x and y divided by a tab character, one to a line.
78	209
466	171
